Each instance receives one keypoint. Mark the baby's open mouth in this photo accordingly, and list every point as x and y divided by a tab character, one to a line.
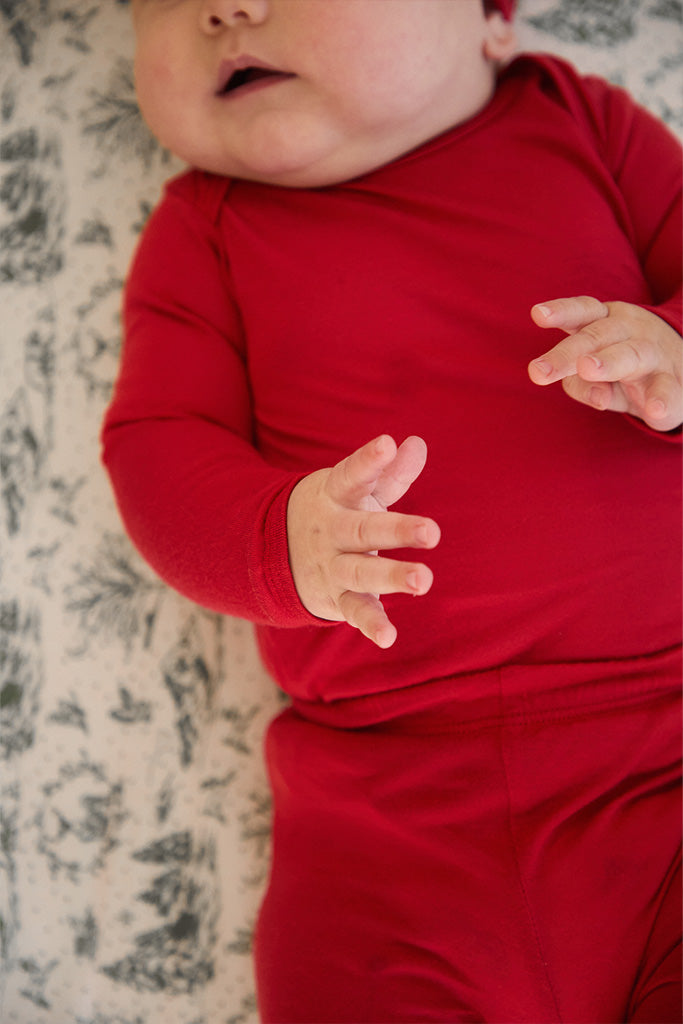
242	77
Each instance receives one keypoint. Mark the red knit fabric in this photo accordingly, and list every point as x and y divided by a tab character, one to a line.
272	331
524	868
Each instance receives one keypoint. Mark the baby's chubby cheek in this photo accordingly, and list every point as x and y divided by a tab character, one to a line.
158	95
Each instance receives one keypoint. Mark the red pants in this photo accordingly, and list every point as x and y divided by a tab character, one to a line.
514	867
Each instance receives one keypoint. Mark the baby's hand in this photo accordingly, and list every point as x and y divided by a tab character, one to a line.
617	356
337	521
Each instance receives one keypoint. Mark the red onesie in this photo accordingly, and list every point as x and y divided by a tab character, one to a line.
480	824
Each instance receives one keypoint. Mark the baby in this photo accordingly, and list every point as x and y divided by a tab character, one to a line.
476	815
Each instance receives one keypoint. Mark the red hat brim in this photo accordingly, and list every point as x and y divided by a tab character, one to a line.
506	7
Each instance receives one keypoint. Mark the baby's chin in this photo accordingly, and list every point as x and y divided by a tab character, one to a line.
294	159
281	174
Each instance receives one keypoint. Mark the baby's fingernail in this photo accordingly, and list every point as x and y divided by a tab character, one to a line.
543	366
544	310
413	582
385	637
597	363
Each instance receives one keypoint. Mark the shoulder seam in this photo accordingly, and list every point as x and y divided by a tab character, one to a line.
204	192
576	93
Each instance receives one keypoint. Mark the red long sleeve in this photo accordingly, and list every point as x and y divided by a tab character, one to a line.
197	499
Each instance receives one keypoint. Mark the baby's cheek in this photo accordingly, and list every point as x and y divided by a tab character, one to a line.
159	100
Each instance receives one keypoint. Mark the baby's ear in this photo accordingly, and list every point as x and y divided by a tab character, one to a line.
500	41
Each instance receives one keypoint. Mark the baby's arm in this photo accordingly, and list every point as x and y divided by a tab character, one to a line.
616	356
213	517
620	356
337	521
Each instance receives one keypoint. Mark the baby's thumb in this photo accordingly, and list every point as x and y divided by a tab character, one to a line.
570	314
402	472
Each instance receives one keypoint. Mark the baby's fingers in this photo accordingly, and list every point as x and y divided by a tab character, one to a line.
355	477
384	531
373	575
402	472
617	356
656	399
623	361
366	613
569	315
602	396
663	405
589	329
379	470
366	577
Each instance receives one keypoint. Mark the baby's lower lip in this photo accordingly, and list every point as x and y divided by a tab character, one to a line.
272	78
